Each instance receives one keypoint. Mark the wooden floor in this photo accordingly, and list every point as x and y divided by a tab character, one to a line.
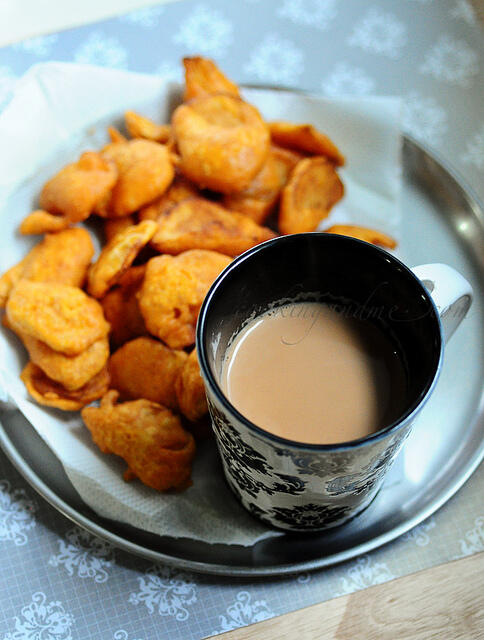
441	603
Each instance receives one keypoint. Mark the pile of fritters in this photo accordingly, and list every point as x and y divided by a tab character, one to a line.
177	202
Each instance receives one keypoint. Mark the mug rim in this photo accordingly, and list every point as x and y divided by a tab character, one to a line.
209	378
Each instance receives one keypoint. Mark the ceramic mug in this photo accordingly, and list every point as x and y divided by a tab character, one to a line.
297	486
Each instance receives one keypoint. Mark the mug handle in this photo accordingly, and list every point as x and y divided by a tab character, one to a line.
450	291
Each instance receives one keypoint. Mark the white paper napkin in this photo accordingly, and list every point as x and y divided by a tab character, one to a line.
59	110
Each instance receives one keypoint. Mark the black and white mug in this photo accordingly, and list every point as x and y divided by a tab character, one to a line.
297	486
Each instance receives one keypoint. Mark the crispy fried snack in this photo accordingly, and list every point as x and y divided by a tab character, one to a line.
117	256
41	221
48	392
146	368
72	372
112	226
197	223
63	317
285	161
145	171
121	308
203	77
60	257
313	188
261	196
149	437
78	188
180	189
305	138
190	390
115	135
173	291
363	233
222	141
140	127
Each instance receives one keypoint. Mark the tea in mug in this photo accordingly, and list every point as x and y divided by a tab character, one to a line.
308	373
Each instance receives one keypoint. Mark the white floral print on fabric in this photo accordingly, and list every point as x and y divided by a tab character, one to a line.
84	554
379	32
346	79
474	153
364	573
276	60
463	10
205	31
169	71
309	13
39	46
420	534
473	541
304	578
424	118
243	612
7	83
167	591
147	17
42	620
121	634
101	50
16	514
451	60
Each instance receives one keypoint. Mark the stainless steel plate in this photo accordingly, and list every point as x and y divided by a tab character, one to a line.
442	222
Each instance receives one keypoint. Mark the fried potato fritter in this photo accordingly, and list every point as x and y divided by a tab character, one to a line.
363	233
78	188
41	221
173	291
146	368
223	142
145	172
312	190
197	223
63	317
72	372
148	436
140	127
121	308
60	257
180	189
52	394
305	138
203	77
117	256
112	226
190	390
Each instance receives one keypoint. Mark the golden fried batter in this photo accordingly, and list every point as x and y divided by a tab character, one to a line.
259	199
363	233
146	368
173	291
203	77
121	308
63	317
50	393
72	372
60	257
41	221
117	256
112	226
140	127
180	189
305	138
197	223
313	188
148	436
222	141
77	189
190	390
145	172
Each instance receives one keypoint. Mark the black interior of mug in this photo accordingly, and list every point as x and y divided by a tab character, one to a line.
360	278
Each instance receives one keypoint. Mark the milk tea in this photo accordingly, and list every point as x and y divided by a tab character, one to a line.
308	373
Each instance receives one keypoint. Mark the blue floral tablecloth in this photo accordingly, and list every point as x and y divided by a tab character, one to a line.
57	581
